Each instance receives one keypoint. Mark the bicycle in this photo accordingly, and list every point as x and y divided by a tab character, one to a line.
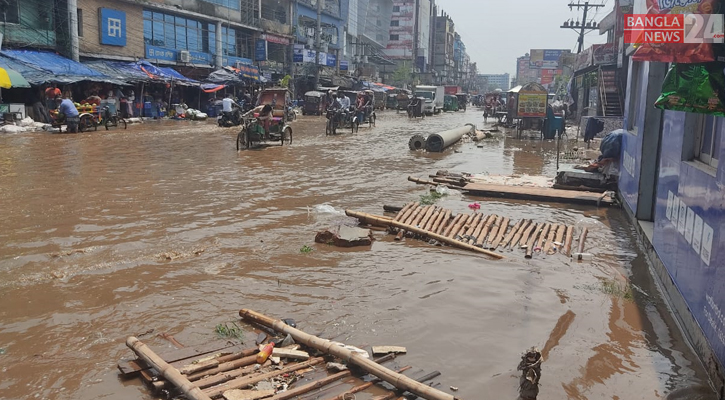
108	120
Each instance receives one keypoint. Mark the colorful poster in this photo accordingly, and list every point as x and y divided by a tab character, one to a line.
687	52
696	88
532	105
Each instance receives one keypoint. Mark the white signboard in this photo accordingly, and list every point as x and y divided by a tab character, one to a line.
670	201
697	234
689	224
681	217
707	233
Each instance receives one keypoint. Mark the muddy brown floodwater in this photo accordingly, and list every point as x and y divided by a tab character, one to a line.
166	226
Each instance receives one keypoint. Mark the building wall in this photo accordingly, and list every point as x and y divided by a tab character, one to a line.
90	43
333	25
247	13
400	41
689	219
33	26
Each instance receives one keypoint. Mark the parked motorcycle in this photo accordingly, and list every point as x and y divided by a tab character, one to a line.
229	119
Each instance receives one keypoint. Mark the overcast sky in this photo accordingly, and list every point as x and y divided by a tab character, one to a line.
496	32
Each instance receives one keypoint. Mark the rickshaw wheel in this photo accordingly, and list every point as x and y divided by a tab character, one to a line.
241	140
86	123
286	136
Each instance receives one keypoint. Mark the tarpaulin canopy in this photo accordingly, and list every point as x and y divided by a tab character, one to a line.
176	77
58	68
211	87
247	71
125	71
225	76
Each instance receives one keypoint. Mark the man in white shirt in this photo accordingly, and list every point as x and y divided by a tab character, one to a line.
344	101
227	104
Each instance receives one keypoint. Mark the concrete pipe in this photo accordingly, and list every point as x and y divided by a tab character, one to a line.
417	142
437	142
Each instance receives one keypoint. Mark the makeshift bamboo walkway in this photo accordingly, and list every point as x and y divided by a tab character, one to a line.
312	367
486	234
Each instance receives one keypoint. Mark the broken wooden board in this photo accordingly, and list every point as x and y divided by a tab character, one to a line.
382	350
538	194
237	394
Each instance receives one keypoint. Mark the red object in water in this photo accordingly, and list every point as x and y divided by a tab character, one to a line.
474	206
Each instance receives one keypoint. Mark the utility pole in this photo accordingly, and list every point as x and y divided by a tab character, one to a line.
585	25
318	44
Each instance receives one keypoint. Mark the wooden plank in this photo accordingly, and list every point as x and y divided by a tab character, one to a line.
236	394
538	194
380	350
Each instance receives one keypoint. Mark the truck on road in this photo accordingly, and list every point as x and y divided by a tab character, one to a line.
433	98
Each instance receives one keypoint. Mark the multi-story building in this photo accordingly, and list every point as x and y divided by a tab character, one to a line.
461	61
332	34
275	41
367	34
35	23
443	53
410	36
495	81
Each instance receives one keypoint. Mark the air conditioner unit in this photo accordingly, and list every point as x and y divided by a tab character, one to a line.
184	56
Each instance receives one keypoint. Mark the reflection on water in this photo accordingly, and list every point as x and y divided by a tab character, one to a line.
165	226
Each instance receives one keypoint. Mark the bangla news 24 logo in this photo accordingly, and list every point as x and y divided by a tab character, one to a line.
673	28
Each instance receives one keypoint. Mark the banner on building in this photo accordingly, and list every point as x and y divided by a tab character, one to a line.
682	51
344	66
260	50
545	59
695	88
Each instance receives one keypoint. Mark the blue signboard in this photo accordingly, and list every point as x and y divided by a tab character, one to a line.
344	66
113	27
331	60
160	53
260	50
232	61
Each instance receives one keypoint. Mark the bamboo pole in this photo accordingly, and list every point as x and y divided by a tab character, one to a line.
433	218
440	238
364	386
550	239
423	212
421	181
224	376
443	216
525	237
289	394
484	232
402	212
424	221
472	226
395	394
462	224
398	380
244	381
532	241
409	211
226	366
493	232
501	231
544	232
520	233
452	225
511	234
582	238
413	215
167	371
478	229
558	239
567	241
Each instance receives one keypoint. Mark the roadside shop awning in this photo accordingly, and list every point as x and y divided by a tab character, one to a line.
58	68
211	87
125	71
225	76
248	71
176	77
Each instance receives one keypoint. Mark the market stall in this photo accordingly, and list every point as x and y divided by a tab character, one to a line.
527	106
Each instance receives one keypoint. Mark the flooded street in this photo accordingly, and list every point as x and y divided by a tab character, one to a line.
165	226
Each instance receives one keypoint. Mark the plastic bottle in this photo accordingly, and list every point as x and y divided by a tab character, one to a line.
582	256
265	353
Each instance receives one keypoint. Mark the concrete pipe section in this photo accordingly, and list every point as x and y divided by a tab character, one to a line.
417	142
437	142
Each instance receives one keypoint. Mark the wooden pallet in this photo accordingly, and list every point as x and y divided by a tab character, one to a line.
491	232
